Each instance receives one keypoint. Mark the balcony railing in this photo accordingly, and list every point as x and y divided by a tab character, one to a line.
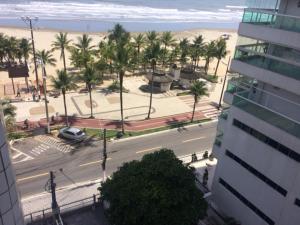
267	63
249	102
271	19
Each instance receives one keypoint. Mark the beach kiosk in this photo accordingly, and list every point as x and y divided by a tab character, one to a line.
161	81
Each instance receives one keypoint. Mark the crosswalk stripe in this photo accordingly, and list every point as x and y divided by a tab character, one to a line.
210	110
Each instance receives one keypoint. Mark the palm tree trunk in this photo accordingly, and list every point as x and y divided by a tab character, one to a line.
121	75
195	101
217	67
65	105
151	92
91	101
64	59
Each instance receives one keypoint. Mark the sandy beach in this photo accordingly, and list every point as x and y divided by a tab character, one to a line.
44	39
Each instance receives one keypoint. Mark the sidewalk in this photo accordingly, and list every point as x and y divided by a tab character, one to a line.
136	125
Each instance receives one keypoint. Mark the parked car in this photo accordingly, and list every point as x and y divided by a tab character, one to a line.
72	133
54	93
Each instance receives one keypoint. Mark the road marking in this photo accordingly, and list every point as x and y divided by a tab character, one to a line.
91	163
148	150
32	177
194	139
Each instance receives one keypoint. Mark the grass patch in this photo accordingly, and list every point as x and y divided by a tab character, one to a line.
210	78
17	135
115	87
183	93
113	133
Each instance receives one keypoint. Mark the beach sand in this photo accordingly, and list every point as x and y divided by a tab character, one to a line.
44	39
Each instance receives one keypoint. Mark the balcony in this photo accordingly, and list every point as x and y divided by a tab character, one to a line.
275	110
268	62
271	26
272	19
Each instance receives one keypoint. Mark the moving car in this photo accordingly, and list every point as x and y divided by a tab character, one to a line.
72	133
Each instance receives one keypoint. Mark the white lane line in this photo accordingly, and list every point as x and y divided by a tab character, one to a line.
194	139
32	177
13	148
148	150
91	163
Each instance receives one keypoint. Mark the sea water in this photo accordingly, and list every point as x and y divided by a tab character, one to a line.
134	15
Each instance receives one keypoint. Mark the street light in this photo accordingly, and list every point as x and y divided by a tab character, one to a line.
41	62
28	20
227	69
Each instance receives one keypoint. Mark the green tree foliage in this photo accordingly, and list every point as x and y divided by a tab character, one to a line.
198	89
167	40
220	52
47	58
209	54
62	43
9	112
90	77
64	83
121	58
158	190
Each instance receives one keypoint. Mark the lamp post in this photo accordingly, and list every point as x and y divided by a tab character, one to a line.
220	100
41	62
28	20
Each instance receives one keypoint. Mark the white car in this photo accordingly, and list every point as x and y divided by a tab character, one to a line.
72	133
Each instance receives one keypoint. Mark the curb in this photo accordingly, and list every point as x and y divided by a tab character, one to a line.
161	132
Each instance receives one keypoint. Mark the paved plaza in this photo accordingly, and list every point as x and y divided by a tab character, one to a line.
106	104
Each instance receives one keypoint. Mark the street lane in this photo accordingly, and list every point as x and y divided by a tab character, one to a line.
84	162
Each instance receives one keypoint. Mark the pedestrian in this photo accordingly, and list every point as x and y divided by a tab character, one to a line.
18	93
26	124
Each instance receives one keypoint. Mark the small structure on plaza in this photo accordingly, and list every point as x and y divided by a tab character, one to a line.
161	81
18	71
187	76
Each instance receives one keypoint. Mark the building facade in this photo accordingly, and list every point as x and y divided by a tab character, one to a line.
10	208
257	179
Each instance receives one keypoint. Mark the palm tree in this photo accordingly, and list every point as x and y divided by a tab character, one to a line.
184	49
47	59
11	48
118	33
84	43
90	77
9	113
220	51
122	60
198	45
152	37
25	47
64	83
209	53
139	42
62	43
152	53
198	89
167	40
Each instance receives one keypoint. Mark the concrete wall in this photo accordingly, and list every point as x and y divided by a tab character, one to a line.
10	208
273	164
289	7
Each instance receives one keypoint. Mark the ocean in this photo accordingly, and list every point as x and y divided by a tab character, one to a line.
134	15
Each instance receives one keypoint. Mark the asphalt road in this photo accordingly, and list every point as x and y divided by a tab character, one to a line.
82	162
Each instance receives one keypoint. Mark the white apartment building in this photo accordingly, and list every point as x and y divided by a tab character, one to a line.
10	208
257	179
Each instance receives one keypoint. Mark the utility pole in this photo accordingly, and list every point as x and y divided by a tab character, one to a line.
104	155
227	69
41	62
54	205
27	20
